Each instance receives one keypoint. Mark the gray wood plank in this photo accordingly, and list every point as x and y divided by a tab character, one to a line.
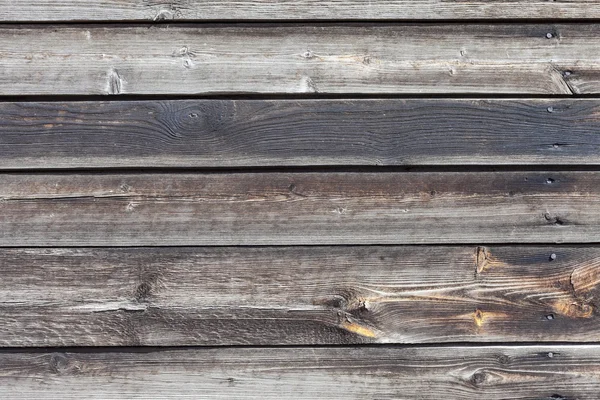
451	373
300	58
251	133
297	295
298	208
143	10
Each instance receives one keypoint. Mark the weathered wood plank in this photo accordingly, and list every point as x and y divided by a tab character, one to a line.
294	58
451	373
143	10
248	133
298	208
297	295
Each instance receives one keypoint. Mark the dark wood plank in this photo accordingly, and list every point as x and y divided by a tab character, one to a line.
297	295
300	58
143	10
450	373
249	133
298	208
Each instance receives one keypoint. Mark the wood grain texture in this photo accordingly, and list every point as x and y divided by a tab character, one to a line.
251	133
294	58
298	208
452	373
297	295
182	10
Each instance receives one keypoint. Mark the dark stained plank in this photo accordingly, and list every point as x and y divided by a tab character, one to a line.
450	373
297	295
144	10
298	208
300	58
250	133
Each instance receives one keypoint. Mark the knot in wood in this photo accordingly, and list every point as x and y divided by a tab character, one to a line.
478	378
60	363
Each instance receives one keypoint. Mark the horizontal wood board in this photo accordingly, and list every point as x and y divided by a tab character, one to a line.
281	133
230	10
452	373
300	59
267	208
298	295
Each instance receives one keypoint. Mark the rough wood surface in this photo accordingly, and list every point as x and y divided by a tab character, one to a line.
178	10
300	58
451	373
298	208
249	133
280	264
297	295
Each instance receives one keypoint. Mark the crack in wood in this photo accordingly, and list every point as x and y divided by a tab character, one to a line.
115	82
126	306
562	77
481	260
350	309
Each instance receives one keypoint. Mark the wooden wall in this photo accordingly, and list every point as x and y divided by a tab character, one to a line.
310	199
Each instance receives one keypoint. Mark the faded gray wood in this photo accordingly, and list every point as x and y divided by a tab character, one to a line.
143	10
286	59
297	295
250	133
298	208
452	373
